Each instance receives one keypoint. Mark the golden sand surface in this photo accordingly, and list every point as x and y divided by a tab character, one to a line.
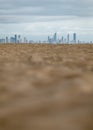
46	87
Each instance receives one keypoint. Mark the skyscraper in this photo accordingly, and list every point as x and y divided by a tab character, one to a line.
74	37
68	38
7	39
55	37
49	39
62	39
19	38
15	38
12	40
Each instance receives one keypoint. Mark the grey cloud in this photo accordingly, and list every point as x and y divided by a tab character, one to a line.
30	19
24	10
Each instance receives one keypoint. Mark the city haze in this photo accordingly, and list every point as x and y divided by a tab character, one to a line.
37	20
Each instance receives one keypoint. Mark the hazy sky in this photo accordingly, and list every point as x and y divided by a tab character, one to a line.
40	18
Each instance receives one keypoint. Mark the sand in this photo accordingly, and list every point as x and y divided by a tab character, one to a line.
46	87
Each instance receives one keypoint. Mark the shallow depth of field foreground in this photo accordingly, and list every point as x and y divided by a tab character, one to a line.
46	87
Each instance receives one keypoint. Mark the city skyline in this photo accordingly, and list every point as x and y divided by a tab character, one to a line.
54	39
39	19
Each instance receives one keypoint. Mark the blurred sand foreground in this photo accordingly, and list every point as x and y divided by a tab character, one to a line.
46	87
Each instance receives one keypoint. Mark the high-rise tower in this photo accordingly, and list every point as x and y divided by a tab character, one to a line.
7	39
68	38
74	37
15	38
55	37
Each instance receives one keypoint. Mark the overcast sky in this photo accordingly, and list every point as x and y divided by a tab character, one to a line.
39	18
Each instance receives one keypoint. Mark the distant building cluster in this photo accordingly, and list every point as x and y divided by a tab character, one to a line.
15	39
54	39
51	39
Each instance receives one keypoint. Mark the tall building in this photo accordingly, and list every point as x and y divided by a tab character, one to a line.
55	37
19	39
7	39
2	40
15	38
68	38
48	39
74	37
12	40
62	39
25	40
